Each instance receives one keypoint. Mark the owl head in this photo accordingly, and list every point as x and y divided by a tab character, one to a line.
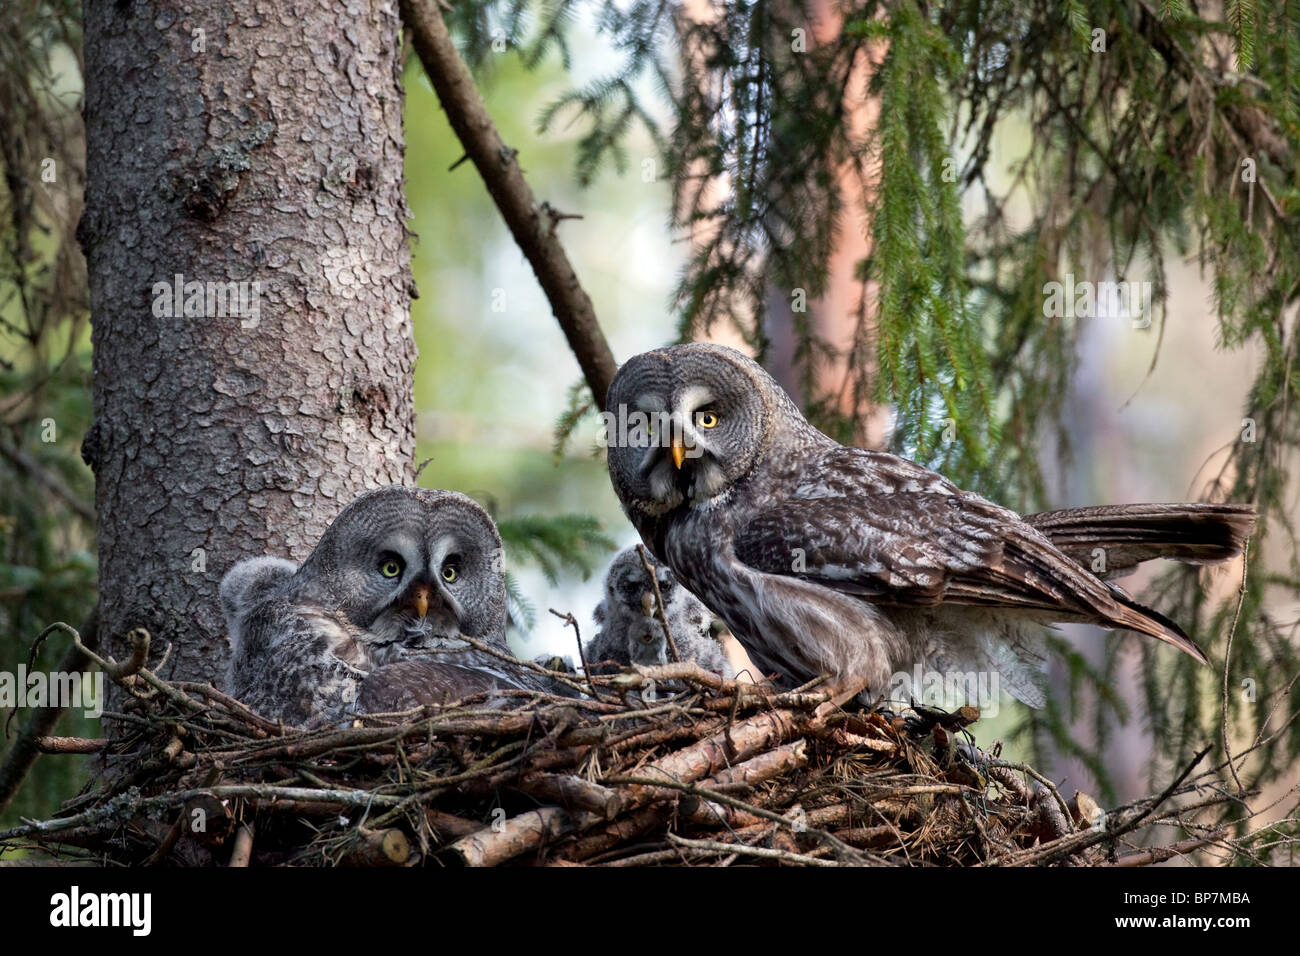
686	422
628	585
411	569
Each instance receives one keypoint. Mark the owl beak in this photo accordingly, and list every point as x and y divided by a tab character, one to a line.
679	453
420	599
648	603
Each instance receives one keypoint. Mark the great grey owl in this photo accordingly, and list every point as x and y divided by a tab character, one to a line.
830	560
629	629
372	619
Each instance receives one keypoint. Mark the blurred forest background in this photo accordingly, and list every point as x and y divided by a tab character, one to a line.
929	337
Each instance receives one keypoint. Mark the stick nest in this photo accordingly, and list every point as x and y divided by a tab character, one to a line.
719	773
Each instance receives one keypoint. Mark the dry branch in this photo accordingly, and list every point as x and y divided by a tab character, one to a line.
659	604
243	851
379	848
531	223
514	837
71	745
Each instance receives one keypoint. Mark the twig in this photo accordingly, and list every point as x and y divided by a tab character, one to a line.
139	640
238	707
525	665
134	803
784	856
514	837
727	800
747	775
572	793
131	667
582	655
1068	846
611	838
1158	854
243	851
71	745
644	859
1227	661
659	602
642	675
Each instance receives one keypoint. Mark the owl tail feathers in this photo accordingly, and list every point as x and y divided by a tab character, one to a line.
1112	540
1136	617
1126	535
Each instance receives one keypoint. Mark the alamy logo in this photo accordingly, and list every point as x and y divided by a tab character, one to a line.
1098	300
638	429
208	300
74	908
947	689
67	689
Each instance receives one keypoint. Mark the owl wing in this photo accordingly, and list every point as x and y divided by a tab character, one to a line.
452	675
414	682
930	547
506	673
248	585
297	665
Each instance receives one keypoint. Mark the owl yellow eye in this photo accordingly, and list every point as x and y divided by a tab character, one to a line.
449	573
706	419
391	568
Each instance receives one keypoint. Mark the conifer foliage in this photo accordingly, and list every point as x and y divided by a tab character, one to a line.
1153	132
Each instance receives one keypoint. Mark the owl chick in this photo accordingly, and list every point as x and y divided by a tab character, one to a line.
629	629
401	572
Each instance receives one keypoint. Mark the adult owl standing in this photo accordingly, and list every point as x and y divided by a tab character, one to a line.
830	560
373	619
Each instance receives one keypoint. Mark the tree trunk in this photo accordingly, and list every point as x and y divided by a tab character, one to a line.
241	143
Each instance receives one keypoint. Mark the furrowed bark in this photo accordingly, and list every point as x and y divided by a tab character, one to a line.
259	143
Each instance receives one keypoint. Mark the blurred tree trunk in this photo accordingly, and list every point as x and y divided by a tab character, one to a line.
243	143
843	317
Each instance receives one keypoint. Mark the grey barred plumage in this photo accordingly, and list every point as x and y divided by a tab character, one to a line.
830	560
418	681
629	632
400	573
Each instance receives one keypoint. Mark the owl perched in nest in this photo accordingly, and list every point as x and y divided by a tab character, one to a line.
372	619
629	629
830	560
